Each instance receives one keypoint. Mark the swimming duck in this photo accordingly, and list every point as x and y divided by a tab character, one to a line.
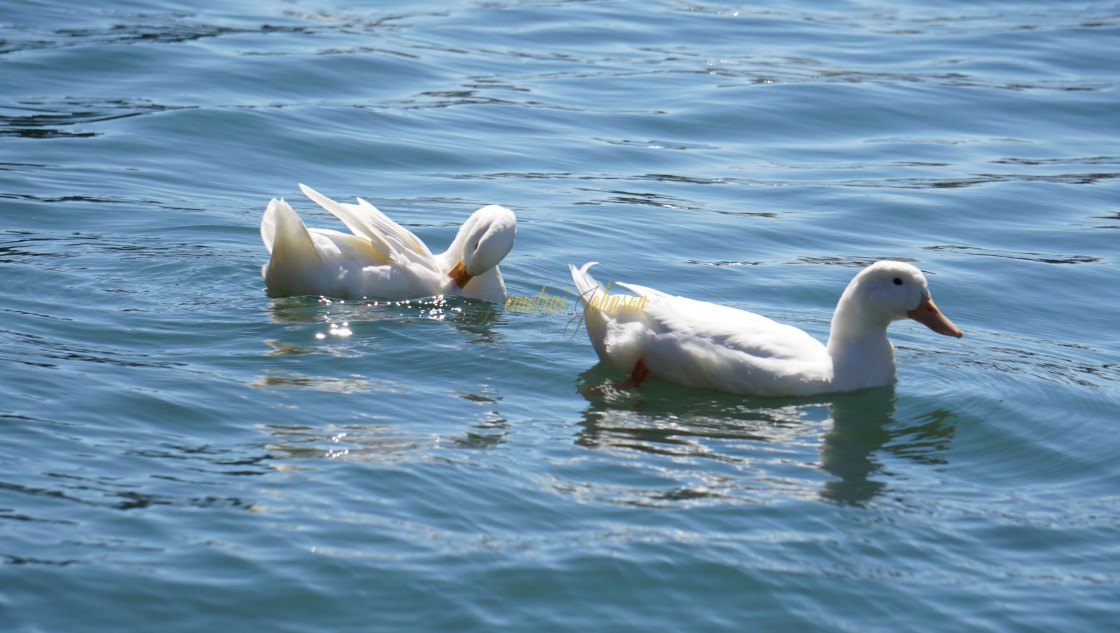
702	344
380	258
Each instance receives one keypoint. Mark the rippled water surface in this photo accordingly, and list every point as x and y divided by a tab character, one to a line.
183	453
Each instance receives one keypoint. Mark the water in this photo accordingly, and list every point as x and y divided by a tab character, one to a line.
182	453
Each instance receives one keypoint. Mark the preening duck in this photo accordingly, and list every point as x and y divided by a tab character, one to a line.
704	344
380	258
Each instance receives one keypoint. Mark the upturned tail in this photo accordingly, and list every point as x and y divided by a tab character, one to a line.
287	239
594	319
586	286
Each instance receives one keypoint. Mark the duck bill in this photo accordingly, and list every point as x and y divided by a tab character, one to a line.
459	274
928	315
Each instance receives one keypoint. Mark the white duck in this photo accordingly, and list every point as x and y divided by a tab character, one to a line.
707	345
381	258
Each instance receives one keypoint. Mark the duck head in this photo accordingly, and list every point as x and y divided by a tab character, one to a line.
482	242
889	291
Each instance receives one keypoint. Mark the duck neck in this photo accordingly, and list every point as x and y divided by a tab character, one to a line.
454	252
862	356
452	259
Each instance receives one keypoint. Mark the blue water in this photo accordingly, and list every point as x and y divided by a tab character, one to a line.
182	453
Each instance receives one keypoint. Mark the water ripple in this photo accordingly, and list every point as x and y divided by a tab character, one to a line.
1043	258
184	451
54	119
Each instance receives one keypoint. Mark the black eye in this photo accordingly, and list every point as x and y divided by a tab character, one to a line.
898	281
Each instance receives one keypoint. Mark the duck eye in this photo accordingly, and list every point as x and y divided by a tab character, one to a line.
898	281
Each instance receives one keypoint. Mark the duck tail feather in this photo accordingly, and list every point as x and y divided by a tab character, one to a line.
289	242
586	286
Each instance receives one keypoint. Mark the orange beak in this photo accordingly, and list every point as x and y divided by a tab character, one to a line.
927	314
459	274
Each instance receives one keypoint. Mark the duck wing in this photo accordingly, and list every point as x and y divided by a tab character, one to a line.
709	345
390	240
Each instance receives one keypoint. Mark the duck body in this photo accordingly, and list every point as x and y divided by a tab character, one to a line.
380	258
702	344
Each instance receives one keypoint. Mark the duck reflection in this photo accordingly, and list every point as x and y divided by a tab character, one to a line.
348	333
385	438
293	445
354	329
848	436
865	429
674	419
471	316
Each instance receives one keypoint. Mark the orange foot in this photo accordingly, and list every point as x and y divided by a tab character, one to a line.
636	377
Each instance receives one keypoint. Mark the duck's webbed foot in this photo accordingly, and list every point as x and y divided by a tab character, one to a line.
636	377
633	382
